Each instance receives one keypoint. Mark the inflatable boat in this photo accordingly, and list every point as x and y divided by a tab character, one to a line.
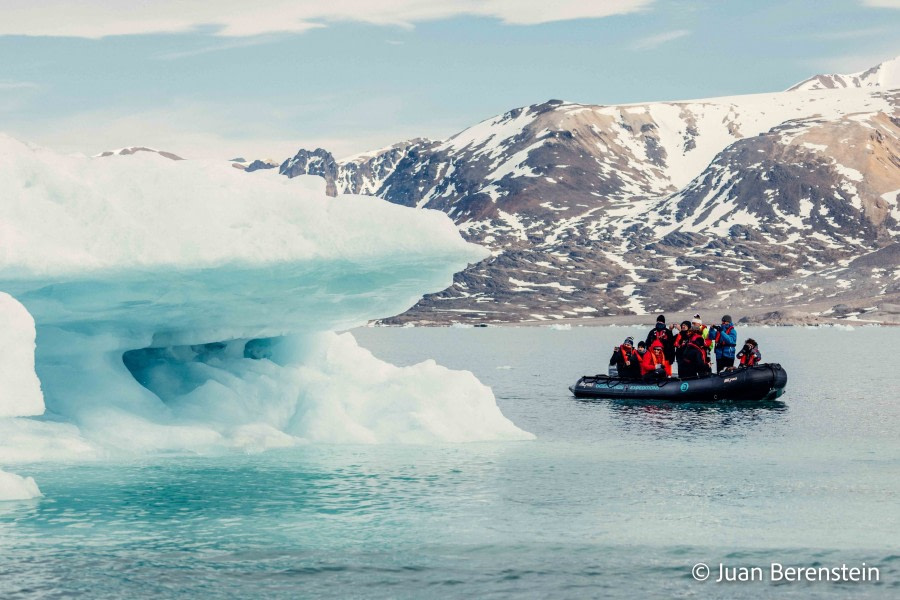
754	384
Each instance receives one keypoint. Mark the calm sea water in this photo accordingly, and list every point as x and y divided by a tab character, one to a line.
610	501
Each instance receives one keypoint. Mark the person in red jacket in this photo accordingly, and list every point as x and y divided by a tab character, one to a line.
654	362
749	355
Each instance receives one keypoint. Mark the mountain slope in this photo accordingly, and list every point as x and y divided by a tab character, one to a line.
135	149
884	75
635	208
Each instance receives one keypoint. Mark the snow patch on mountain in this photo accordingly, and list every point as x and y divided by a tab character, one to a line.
675	198
883	75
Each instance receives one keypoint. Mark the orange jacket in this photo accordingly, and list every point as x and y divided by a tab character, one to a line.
650	360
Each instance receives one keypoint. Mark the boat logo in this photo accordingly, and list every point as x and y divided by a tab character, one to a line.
730	379
685	386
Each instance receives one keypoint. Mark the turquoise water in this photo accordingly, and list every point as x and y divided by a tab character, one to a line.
611	500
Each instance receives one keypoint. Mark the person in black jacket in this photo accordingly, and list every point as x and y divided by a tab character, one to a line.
749	355
694	361
681	340
626	359
665	336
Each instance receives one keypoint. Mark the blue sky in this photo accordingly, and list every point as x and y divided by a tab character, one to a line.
230	78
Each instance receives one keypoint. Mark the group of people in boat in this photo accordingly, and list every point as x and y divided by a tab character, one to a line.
690	345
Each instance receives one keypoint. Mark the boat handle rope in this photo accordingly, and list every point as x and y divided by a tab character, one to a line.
610	385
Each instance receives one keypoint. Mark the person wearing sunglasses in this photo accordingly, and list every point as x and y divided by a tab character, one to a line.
654	364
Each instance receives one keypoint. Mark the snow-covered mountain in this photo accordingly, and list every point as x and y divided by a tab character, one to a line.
137	149
662	206
884	75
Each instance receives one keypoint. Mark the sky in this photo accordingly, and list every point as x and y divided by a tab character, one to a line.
260	80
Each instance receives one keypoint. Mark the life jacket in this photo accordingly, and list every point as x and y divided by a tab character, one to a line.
626	358
649	362
718	335
727	330
659	335
749	359
699	343
723	347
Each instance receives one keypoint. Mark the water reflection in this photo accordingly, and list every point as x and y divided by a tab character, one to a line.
18	510
690	419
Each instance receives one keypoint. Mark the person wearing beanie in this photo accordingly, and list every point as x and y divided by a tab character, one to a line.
681	340
724	338
698	326
641	349
695	358
664	336
626	360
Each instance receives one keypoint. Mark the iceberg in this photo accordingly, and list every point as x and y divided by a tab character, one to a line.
152	305
14	487
20	390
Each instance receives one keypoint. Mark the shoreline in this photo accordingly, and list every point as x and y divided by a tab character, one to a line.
883	310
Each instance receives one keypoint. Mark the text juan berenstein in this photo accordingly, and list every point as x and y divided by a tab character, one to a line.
780	573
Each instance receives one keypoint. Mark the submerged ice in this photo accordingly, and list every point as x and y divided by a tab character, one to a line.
156	305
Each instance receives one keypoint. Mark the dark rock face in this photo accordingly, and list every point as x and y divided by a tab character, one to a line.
258	165
318	162
136	149
593	210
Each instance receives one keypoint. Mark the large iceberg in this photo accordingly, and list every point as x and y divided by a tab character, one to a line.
153	305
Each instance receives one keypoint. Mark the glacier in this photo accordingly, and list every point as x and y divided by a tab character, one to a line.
150	305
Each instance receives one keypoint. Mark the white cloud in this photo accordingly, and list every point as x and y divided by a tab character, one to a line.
15	95
229	44
882	3
238	18
206	131
654	41
17	85
849	34
847	64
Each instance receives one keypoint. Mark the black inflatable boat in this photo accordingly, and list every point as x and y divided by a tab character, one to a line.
754	384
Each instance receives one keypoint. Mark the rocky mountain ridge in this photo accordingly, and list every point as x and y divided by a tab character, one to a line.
136	149
883	75
605	210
